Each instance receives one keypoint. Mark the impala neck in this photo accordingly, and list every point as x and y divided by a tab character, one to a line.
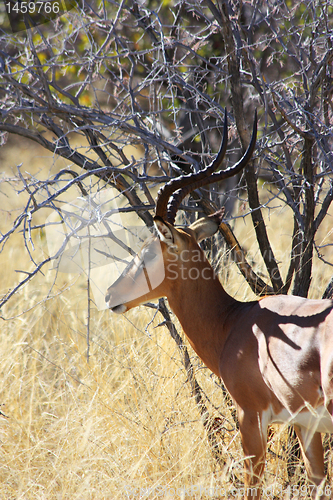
202	307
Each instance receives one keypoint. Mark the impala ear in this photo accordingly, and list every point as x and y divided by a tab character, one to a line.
164	230
207	226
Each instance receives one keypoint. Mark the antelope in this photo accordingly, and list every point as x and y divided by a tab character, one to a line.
274	355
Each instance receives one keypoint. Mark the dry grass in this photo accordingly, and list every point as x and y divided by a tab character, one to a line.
126	420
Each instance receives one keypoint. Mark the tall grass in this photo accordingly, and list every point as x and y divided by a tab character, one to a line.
123	424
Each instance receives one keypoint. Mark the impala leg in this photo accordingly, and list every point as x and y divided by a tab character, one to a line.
313	455
254	440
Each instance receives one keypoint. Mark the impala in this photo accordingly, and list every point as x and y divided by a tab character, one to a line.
274	355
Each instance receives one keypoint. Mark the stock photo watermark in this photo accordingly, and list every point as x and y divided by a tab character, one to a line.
97	237
197	492
20	15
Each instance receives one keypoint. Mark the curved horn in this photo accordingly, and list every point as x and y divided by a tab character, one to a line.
209	178
181	182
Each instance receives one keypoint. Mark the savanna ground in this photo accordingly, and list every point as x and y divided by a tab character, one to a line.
124	424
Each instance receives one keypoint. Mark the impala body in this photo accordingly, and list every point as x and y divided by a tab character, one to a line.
274	355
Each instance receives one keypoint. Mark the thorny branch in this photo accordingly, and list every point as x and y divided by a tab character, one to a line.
130	97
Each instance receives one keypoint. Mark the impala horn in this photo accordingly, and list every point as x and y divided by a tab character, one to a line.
168	189
181	186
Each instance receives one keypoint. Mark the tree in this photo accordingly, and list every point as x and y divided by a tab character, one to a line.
158	76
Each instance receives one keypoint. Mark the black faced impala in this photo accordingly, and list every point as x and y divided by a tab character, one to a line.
275	355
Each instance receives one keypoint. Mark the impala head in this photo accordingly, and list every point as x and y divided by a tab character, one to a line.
173	257
163	263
